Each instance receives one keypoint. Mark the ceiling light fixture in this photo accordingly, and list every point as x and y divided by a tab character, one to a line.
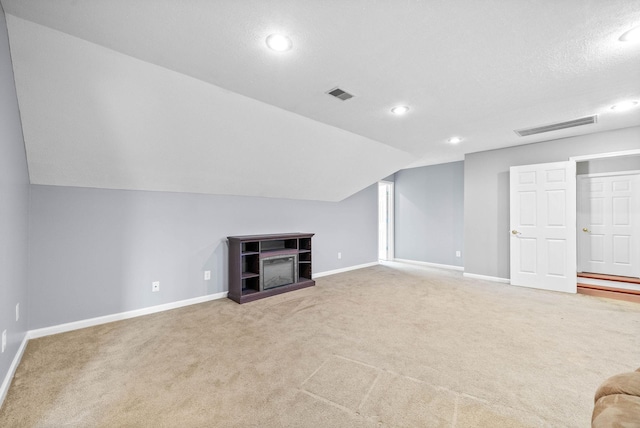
632	35
624	106
400	110
279	42
455	140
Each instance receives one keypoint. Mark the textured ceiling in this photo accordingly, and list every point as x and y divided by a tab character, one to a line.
184	95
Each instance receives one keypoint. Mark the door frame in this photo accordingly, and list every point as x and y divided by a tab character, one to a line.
605	155
390	219
622	153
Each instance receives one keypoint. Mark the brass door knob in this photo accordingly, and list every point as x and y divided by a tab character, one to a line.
514	232
584	229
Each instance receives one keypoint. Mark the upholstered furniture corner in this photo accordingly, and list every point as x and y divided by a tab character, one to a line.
617	402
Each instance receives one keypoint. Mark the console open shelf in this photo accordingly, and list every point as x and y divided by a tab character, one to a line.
249	254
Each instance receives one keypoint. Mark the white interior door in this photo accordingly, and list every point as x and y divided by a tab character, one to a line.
608	216
543	226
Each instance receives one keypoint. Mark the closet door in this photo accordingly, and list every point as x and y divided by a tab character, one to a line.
608	217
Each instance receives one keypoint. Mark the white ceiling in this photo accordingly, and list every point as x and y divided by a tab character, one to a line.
184	95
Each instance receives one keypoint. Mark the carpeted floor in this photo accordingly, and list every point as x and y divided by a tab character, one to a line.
391	346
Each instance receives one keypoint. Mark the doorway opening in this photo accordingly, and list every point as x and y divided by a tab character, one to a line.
608	230
385	220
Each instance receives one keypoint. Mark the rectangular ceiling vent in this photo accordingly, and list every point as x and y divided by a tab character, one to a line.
340	94
588	120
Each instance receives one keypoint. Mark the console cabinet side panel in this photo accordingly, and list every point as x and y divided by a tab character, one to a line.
235	270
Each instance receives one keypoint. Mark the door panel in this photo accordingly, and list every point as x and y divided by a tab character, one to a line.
556	251
542	212
621	250
608	230
597	248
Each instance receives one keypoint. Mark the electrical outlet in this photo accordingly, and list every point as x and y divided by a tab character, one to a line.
155	286
457	253
17	311
4	340
339	256
207	275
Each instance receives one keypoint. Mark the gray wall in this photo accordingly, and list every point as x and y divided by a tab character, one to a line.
429	213
486	191
617	164
14	205
95	252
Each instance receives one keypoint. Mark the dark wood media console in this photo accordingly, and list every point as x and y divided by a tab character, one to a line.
247	255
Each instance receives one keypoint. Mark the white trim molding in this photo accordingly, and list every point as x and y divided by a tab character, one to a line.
347	269
6	382
605	155
608	174
429	264
487	278
76	325
391	220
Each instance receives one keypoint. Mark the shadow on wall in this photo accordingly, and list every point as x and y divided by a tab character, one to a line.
503	242
218	264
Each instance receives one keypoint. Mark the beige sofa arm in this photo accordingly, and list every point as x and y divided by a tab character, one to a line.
617	402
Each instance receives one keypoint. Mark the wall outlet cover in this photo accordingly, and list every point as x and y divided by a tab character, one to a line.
457	253
155	286
4	340
17	311
339	256
207	275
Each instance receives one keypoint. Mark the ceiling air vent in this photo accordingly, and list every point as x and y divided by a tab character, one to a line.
340	94
557	126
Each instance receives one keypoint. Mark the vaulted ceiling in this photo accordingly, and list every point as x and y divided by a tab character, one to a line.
185	96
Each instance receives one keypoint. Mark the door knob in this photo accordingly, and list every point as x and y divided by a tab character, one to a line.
584	229
514	232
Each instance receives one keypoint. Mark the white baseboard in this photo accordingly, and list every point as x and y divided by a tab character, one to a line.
487	278
62	328
428	264
347	269
6	383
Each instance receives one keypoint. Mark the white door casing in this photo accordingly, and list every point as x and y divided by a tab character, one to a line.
543	226
608	224
385	220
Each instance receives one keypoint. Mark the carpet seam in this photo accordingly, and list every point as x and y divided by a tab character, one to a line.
327	401
368	393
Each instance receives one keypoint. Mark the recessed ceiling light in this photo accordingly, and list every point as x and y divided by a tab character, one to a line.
455	140
400	110
624	106
279	42
632	35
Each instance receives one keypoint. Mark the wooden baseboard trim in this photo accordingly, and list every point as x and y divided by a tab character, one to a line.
603	277
607	288
610	293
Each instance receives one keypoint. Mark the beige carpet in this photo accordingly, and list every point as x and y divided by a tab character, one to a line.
390	346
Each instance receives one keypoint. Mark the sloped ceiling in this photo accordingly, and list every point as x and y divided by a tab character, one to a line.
184	95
